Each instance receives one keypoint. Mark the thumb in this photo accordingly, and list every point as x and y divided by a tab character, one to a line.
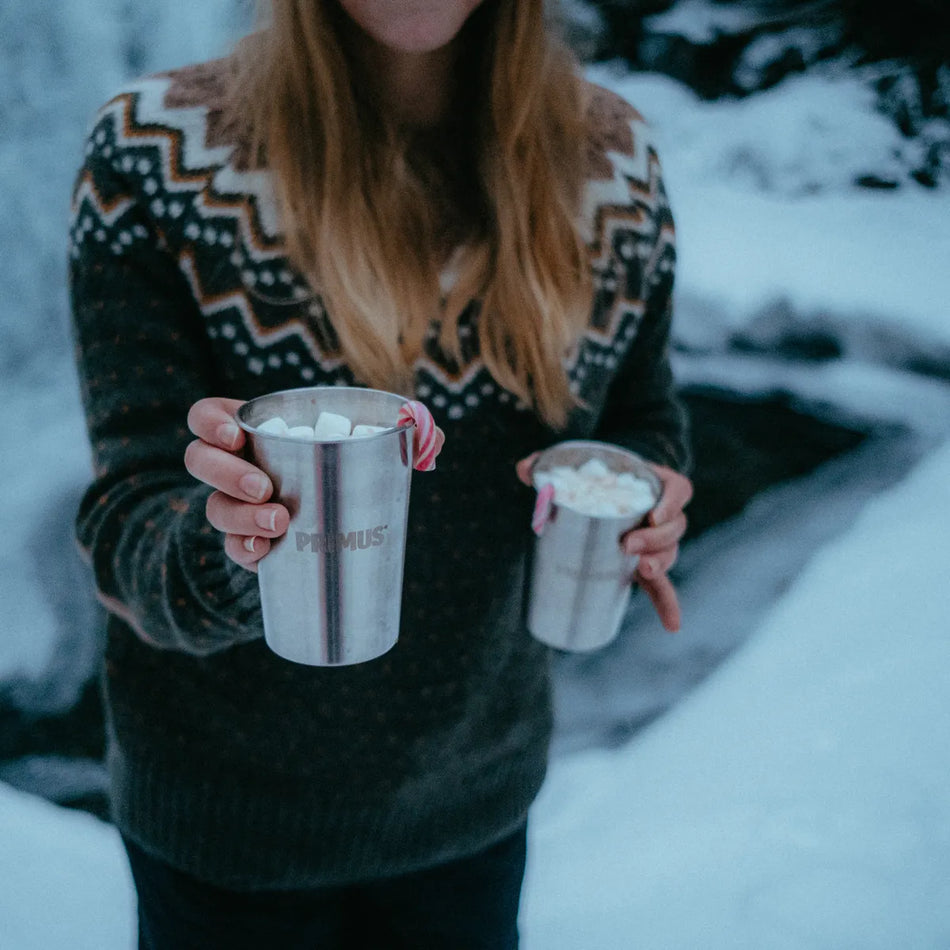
523	468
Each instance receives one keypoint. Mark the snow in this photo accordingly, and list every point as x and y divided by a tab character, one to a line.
767	48
797	800
863	255
61	59
47	457
64	879
760	190
700	21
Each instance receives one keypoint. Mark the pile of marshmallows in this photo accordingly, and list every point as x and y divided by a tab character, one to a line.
427	437
329	427
596	491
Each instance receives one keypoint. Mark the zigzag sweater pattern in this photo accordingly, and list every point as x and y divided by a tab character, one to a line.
225	760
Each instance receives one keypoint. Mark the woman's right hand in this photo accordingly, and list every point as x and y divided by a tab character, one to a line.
238	507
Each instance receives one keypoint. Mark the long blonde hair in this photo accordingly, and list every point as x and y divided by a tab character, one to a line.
370	224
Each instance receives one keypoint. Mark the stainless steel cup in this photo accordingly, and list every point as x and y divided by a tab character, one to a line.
331	587
580	577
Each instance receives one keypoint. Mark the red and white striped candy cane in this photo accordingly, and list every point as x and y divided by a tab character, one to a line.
542	509
427	437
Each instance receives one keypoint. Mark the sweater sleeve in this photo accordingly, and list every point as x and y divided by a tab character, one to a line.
642	411
143	360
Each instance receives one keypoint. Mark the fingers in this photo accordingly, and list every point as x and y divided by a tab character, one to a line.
210	458
226	472
647	540
662	595
677	494
658	545
212	420
523	468
236	508
248	528
246	551
236	517
658	563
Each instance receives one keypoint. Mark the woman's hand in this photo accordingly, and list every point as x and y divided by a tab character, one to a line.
238	507
657	542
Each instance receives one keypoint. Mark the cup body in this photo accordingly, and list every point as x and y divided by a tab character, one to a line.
580	577
331	587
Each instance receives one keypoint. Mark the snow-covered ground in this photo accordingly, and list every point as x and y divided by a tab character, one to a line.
64	880
797	799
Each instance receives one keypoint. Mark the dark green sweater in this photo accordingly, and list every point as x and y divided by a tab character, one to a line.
227	761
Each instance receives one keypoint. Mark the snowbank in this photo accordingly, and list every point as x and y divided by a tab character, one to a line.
64	879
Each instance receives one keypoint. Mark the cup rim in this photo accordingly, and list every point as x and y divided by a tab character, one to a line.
640	463
242	410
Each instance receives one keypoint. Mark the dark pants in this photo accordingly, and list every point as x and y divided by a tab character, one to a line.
470	904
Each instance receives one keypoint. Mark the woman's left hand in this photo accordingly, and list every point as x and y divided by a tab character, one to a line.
657	543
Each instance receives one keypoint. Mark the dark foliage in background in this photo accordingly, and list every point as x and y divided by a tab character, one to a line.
903	49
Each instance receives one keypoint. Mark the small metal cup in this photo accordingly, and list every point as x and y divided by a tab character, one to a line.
580	578
331	587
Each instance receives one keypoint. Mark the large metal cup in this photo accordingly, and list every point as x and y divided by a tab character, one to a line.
580	578
331	587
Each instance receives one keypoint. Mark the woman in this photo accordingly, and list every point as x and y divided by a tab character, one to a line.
417	195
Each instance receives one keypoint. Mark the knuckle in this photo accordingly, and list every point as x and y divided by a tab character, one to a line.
246	549
235	549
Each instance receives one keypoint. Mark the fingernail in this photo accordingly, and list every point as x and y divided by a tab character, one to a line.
266	519
645	567
254	485
249	544
633	546
228	433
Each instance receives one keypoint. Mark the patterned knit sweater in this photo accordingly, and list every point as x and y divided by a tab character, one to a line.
226	761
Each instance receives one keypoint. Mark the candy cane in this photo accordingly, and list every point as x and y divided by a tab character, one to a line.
542	509
427	437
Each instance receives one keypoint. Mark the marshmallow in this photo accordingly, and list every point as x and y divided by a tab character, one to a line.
362	431
595	491
273	426
331	427
594	469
